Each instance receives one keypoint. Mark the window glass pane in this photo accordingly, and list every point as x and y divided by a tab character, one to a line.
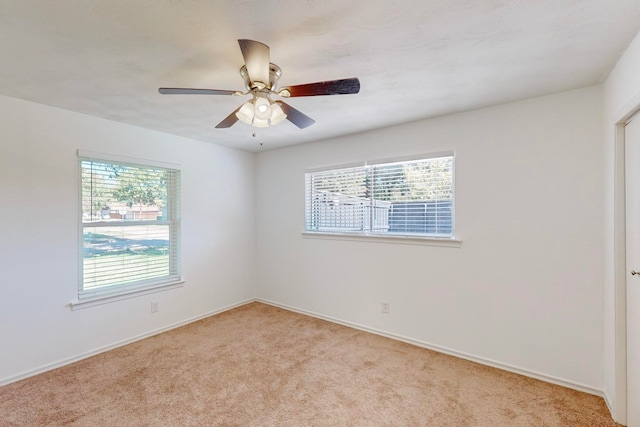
338	200
412	197
420	195
116	192
125	254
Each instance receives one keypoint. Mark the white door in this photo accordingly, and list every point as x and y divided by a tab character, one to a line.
632	184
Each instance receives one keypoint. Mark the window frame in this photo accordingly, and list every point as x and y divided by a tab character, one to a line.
381	237
116	292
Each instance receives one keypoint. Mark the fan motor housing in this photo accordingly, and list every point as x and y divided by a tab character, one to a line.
274	76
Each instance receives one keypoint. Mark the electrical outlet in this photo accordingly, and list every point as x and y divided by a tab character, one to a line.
385	307
154	307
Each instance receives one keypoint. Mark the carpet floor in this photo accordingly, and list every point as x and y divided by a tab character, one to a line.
259	365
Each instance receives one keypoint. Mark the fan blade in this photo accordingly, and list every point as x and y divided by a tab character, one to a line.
331	87
229	121
186	91
256	58
296	117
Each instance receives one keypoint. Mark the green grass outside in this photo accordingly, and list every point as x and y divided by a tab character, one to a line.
118	255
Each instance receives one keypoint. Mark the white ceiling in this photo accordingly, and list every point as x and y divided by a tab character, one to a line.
415	59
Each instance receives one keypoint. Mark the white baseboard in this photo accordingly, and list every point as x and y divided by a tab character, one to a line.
619	417
99	350
440	349
483	361
607	401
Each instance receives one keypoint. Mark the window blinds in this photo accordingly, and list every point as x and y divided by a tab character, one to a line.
406	198
130	226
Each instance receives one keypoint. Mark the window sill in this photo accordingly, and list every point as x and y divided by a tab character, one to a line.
377	238
105	299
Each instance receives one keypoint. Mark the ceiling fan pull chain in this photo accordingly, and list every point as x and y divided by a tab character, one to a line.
255	135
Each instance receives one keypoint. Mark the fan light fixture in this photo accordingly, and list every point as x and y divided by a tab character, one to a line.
261	112
261	82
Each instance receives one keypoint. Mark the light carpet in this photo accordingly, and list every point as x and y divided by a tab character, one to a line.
259	365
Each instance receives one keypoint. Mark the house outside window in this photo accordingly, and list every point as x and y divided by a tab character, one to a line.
408	197
130	225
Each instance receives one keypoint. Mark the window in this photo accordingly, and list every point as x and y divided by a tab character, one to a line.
130	221
413	197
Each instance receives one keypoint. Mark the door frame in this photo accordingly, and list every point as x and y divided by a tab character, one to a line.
619	411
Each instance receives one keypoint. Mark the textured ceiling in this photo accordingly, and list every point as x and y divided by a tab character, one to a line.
415	59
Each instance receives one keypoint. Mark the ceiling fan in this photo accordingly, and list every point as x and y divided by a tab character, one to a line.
261	79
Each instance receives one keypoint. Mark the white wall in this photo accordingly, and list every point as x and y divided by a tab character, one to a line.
525	288
621	97
39	238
